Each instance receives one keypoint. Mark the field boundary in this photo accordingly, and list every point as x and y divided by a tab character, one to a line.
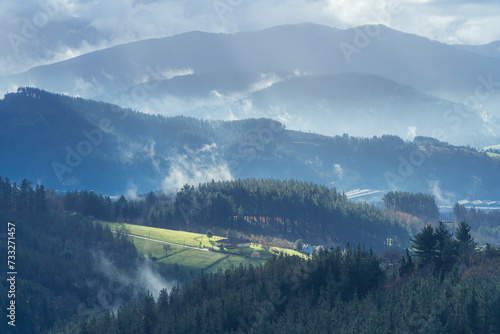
163	242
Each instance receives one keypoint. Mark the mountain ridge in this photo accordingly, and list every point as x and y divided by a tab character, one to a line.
137	74
72	143
245	44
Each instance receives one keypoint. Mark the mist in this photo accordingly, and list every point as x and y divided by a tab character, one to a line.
139	280
194	167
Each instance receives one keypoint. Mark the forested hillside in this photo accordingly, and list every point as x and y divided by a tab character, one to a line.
418	205
67	266
485	225
74	276
71	143
335	292
290	209
285	209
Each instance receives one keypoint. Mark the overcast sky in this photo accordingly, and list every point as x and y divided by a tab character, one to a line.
37	32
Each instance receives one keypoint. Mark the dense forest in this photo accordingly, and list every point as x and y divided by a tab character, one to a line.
22	198
75	276
337	291
286	209
484	224
290	209
67	266
77	144
419	205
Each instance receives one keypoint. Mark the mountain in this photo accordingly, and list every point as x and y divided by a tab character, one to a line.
220	76
360	104
71	143
314	49
490	50
366	105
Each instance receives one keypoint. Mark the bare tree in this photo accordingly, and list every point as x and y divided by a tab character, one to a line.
167	248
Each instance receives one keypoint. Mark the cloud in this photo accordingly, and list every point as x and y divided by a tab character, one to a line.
224	103
267	80
338	171
412	132
194	167
136	283
162	74
85	88
53	30
131	192
446	198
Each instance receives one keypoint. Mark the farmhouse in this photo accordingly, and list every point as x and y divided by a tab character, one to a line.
234	243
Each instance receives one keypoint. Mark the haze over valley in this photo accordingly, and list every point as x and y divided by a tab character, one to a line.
364	81
250	167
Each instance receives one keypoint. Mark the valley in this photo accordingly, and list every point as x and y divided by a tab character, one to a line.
112	150
233	176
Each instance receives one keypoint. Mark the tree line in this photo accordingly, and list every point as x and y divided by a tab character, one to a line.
67	265
416	204
22	198
289	209
482	222
438	249
73	270
337	291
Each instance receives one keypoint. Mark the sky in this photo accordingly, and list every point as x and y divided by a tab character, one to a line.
35	32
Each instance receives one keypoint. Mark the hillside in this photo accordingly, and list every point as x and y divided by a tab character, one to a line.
70	143
271	212
491	49
309	48
215	76
63	266
194	251
365	105
360	104
339	291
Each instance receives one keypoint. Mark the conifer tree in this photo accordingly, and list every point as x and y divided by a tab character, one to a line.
465	241
425	245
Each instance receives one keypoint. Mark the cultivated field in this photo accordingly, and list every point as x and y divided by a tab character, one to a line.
193	251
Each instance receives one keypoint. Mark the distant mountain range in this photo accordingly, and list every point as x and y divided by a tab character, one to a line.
72	143
369	80
490	50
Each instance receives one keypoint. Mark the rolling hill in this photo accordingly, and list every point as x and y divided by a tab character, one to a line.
221	76
71	143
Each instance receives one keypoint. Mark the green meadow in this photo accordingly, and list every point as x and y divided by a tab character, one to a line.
193	259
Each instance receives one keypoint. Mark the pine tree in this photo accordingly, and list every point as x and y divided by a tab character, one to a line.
466	243
425	245
446	247
459	212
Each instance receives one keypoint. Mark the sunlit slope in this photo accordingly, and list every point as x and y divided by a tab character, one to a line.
182	248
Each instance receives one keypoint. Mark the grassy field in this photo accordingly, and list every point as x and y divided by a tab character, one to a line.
176	237
495	147
192	259
491	154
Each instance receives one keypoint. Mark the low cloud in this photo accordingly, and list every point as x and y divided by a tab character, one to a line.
131	192
412	132
162	74
338	171
216	104
135	283
84	88
194	167
442	198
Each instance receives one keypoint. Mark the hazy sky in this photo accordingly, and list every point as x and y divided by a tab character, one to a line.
36	32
